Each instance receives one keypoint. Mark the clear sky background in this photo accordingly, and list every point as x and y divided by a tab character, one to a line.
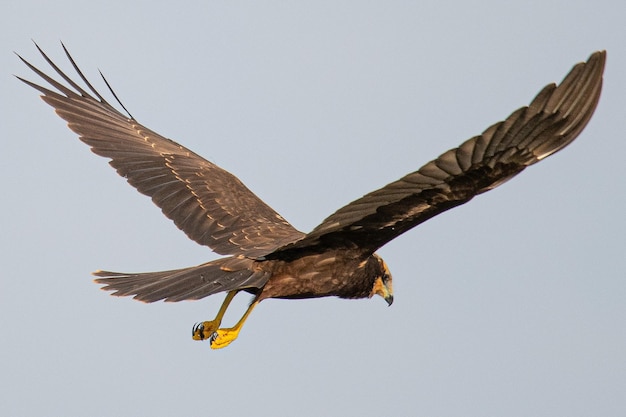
512	305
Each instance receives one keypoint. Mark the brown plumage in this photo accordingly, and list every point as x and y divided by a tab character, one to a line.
267	256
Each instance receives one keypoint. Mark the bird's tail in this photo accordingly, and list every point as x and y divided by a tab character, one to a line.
191	283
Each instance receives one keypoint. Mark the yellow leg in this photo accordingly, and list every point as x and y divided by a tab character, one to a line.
206	329
223	337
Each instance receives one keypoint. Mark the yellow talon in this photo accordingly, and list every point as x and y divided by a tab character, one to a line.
204	330
222	337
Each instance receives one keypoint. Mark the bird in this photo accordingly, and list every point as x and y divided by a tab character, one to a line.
263	254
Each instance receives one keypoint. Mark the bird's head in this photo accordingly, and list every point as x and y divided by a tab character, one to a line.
382	283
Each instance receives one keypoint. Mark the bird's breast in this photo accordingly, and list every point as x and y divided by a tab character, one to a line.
312	276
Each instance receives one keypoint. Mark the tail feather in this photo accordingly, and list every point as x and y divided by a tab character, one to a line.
191	283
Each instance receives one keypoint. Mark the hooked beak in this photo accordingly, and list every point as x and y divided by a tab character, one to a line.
389	299
383	290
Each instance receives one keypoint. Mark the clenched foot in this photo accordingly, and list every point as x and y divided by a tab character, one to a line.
204	330
223	337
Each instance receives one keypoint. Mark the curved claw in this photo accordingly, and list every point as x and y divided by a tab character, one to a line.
196	329
204	330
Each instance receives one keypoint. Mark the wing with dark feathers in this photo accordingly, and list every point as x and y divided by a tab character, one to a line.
206	202
194	283
552	121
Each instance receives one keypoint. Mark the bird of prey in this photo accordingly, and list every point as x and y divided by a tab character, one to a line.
264	254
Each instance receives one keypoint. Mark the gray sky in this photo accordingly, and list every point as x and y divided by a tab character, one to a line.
514	304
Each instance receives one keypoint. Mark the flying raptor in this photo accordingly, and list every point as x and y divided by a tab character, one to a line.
264	254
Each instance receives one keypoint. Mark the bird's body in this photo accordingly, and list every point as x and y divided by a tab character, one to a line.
267	256
323	275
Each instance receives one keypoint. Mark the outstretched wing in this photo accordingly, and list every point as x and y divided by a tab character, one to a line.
206	202
553	120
